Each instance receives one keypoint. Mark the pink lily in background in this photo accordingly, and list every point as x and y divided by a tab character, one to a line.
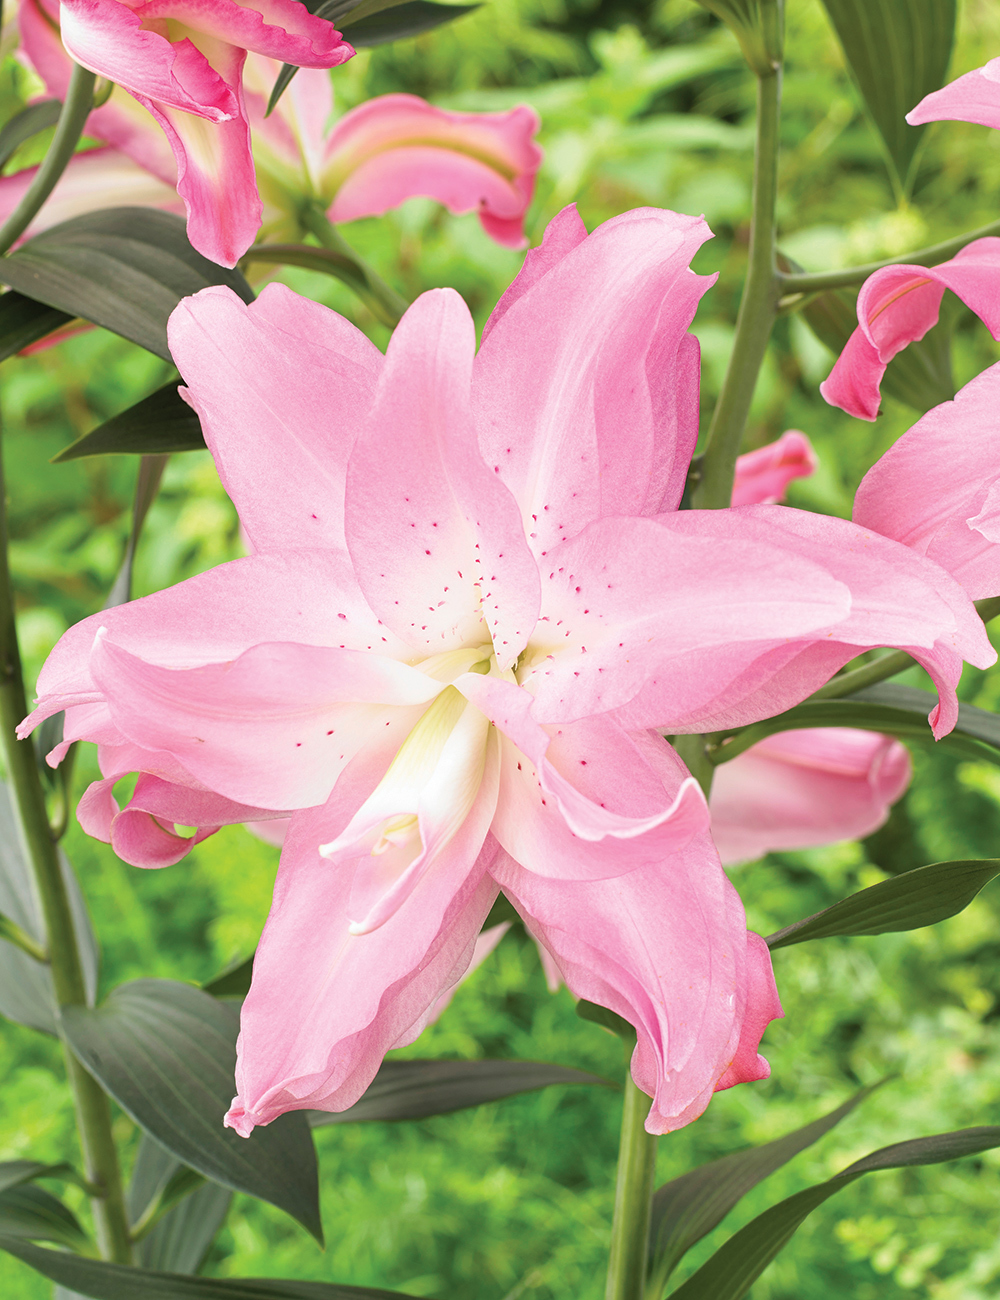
378	155
898	305
974	97
803	789
471	604
763	475
183	64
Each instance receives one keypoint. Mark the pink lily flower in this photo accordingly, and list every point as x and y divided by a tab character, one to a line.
388	150
762	476
802	789
937	489
898	305
183	63
974	97
471	603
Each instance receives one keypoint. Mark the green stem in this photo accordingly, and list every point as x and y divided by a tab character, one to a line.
818	281
758	309
867	675
633	1194
93	1112
378	296
694	752
73	118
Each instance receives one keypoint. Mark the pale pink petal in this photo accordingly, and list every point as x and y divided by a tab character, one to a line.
397	146
935	489
974	97
637	621
582	801
282	388
326	1005
295	132
571	381
666	947
799	789
485	944
898	305
101	178
436	538
273	728
763	475
563	233
272	831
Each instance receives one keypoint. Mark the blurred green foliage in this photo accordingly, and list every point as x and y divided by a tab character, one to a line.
640	104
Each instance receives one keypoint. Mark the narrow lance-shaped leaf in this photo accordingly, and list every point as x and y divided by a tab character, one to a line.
147	484
15	1172
687	1208
734	1268
24	321
417	1089
123	268
36	1214
330	262
158	425
101	1281
180	1239
166	1052
21	127
908	901
897	51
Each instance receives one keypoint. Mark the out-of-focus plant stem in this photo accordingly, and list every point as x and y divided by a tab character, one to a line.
73	118
378	296
758	306
633	1195
93	1112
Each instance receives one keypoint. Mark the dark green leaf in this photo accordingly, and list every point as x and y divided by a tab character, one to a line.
895	710
94	1278
688	1207
908	901
34	1213
123	268
15	1172
416	1089
25	984
24	321
180	1240
329	262
897	51
403	20
606	1018
920	375
232	983
161	423
166	1052
733	1269
21	127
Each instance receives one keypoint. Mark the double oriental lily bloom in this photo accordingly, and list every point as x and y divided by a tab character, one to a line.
471	602
183	62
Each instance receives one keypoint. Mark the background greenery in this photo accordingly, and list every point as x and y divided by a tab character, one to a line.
640	105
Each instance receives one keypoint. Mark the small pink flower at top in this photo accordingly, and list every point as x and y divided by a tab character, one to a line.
471	608
763	475
393	148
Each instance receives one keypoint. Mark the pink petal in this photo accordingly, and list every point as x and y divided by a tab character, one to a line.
273	728
435	537
898	305
659	648
972	98
574	385
931	489
666	947
255	375
563	233
295	132
280	29
101	178
763	475
325	1005
583	801
396	146
272	831
798	789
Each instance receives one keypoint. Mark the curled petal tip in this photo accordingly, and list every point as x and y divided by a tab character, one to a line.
237	1118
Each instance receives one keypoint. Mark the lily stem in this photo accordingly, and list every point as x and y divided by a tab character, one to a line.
758	310
73	118
381	299
633	1195
93	1112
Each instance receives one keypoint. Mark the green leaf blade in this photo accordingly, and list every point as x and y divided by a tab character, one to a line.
35	1214
158	425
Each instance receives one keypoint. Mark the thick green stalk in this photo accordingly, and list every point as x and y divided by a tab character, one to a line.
93	1112
633	1194
694	752
819	281
758	309
378	296
73	118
